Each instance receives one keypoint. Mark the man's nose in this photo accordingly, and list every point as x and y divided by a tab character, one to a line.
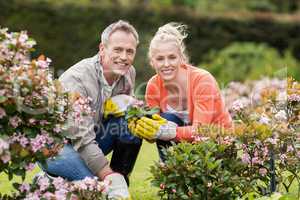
123	55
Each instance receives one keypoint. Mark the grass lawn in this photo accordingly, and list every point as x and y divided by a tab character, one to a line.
140	187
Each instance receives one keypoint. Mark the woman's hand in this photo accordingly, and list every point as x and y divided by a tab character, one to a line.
153	128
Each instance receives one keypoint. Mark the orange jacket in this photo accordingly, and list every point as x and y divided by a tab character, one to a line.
205	103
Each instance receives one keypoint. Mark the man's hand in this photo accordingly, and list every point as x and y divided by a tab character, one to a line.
155	128
117	105
117	188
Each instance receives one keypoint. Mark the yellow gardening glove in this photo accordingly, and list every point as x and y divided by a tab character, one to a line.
132	122
155	128
117	105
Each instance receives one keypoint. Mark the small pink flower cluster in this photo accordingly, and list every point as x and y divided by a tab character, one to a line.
81	108
59	189
4	151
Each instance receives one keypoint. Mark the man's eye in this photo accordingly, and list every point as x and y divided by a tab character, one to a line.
117	50
130	52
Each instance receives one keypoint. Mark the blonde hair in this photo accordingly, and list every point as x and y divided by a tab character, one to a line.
119	25
171	32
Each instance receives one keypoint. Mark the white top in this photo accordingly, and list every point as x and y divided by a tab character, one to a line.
183	115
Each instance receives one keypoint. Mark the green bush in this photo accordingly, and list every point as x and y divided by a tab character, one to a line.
249	61
199	171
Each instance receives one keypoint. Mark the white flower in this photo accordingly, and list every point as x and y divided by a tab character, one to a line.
264	120
281	116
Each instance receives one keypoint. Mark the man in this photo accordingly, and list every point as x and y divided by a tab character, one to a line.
107	74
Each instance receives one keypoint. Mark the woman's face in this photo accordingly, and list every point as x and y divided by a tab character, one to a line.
166	59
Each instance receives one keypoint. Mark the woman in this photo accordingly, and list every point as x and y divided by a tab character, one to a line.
187	96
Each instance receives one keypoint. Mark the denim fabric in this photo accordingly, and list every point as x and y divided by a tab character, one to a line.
68	163
165	144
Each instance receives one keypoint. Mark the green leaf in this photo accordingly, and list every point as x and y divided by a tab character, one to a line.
3	99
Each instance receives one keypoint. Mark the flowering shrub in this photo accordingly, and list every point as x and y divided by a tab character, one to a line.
46	188
35	114
260	152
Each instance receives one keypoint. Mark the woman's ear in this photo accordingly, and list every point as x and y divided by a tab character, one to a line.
151	63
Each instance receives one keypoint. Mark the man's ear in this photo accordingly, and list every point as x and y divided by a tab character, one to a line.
101	48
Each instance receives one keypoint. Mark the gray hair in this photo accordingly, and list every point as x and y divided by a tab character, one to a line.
119	25
171	32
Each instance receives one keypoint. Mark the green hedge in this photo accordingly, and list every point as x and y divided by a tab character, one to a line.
68	33
249	61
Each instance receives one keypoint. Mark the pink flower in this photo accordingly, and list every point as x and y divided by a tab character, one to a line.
44	183
32	121
23	37
283	157
5	158
30	167
246	158
294	97
256	160
281	116
15	121
290	148
162	186
58	183
239	104
264	120
2	113
263	171
173	190
24	187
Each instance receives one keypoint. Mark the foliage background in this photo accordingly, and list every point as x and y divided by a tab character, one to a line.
68	31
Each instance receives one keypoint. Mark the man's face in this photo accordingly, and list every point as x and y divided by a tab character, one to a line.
118	54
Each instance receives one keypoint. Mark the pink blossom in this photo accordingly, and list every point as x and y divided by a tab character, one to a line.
294	97
272	140
256	160
264	120
5	158
58	182
38	142
246	158
57	128
283	157
290	148
32	121
23	37
23	141
298	154
61	194
263	171
162	186
174	190
239	104
2	113
30	167
44	122
15	121
48	195
3	145
24	187
32	196
281	116
44	183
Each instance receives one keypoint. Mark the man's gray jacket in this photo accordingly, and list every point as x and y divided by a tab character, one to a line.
85	77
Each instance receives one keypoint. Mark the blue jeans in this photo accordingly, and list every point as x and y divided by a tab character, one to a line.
111	135
161	144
